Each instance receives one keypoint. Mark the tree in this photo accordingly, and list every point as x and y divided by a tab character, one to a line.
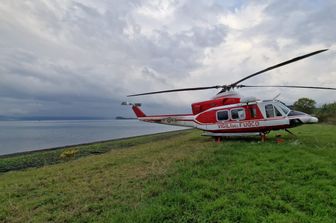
305	105
327	113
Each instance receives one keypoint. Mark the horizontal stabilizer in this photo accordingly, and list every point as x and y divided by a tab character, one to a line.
131	104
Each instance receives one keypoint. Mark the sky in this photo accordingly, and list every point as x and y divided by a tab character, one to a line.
80	58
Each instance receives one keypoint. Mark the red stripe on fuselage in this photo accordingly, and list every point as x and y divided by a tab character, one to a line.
254	129
159	116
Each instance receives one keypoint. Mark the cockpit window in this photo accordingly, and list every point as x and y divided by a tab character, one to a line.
295	113
272	111
277	112
284	108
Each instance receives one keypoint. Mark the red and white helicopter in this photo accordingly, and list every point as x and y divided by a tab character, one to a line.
229	114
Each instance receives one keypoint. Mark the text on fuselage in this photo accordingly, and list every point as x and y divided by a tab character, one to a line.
233	125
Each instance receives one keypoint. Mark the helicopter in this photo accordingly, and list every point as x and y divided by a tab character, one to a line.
230	114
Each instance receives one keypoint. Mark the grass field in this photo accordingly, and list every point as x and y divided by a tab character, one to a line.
181	177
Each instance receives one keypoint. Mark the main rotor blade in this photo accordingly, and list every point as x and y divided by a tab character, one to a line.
288	86
175	90
279	65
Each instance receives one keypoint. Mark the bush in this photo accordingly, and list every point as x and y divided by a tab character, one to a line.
69	153
327	113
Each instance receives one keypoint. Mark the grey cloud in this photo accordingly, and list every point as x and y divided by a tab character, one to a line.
178	54
205	37
82	57
306	21
152	74
92	72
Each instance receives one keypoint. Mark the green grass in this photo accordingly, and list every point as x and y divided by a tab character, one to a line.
183	177
52	156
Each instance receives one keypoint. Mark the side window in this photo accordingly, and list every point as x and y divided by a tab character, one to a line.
238	114
269	109
253	112
222	115
277	112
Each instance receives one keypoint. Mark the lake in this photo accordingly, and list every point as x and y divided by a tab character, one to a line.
20	136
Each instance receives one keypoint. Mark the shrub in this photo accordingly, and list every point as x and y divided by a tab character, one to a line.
327	113
69	153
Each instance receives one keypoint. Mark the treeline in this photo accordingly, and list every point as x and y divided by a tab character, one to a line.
326	113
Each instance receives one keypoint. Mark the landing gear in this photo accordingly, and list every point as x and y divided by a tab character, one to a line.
218	139
290	132
263	136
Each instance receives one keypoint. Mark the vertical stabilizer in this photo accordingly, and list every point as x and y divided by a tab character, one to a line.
138	112
136	108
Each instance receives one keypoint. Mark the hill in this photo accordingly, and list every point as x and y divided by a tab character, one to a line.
181	177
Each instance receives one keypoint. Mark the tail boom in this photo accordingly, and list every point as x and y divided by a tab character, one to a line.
176	120
186	120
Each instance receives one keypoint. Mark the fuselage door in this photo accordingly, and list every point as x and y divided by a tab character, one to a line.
273	115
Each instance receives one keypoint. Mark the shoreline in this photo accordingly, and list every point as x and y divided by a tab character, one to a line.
29	152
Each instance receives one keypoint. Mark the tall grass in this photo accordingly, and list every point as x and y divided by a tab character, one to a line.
184	178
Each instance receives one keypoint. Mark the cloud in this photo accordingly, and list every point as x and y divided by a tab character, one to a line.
73	57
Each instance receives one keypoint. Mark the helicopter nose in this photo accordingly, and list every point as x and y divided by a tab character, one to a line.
313	120
309	119
306	119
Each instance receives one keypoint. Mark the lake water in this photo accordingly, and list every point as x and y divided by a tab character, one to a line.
19	136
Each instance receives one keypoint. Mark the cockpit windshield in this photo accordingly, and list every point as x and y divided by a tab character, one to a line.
284	108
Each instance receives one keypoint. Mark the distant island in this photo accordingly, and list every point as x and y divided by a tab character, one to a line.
50	118
56	118
123	118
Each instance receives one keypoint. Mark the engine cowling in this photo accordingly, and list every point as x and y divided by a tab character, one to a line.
199	107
